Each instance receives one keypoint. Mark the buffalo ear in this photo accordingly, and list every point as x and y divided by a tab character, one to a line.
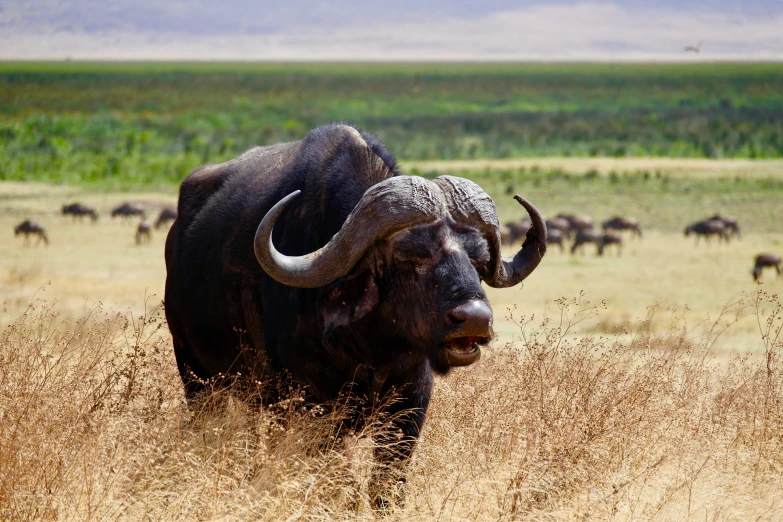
348	300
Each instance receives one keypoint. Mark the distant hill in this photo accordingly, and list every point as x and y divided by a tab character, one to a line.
406	29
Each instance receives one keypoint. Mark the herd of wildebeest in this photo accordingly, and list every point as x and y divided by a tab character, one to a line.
579	230
79	211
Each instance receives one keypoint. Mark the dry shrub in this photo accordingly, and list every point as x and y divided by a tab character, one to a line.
641	425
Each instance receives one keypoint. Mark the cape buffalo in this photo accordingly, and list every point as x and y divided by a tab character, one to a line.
166	214
79	210
27	228
766	260
318	261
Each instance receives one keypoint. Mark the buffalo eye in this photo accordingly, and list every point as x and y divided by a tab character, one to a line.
478	252
415	253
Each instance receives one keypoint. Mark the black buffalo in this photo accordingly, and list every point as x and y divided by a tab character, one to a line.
318	260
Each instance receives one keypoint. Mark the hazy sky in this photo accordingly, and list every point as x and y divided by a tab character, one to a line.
384	30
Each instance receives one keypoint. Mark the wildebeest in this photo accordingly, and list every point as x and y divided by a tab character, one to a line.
577	223
336	271
622	223
143	232
166	214
128	209
707	229
763	261
516	230
555	237
586	236
28	227
559	224
730	222
610	239
79	210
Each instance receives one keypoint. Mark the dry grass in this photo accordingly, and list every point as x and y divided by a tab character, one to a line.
618	413
555	427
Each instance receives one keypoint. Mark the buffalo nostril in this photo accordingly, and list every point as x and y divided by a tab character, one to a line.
471	318
456	316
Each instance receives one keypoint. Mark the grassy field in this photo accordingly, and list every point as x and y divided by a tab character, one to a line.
641	386
611	393
102	262
140	124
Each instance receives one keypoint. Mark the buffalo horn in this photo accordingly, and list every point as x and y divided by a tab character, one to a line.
469	204
385	208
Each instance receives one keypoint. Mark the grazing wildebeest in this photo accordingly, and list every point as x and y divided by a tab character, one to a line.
79	210
166	214
577	223
621	224
707	229
766	260
338	272
143	232
28	227
505	235
128	209
559	224
730	222
586	236
610	239
517	230
555	237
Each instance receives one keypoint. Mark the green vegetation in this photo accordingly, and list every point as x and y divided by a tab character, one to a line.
148	124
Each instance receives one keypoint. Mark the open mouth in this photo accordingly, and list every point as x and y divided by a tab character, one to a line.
462	351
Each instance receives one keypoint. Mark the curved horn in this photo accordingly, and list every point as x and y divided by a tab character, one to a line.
468	203
385	208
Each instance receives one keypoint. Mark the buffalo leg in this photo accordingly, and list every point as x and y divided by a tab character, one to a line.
394	447
193	384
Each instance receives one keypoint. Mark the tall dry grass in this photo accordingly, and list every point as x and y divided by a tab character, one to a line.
557	426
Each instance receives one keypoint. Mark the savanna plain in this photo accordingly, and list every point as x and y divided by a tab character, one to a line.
643	384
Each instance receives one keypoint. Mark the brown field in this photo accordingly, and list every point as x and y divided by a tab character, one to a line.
617	412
